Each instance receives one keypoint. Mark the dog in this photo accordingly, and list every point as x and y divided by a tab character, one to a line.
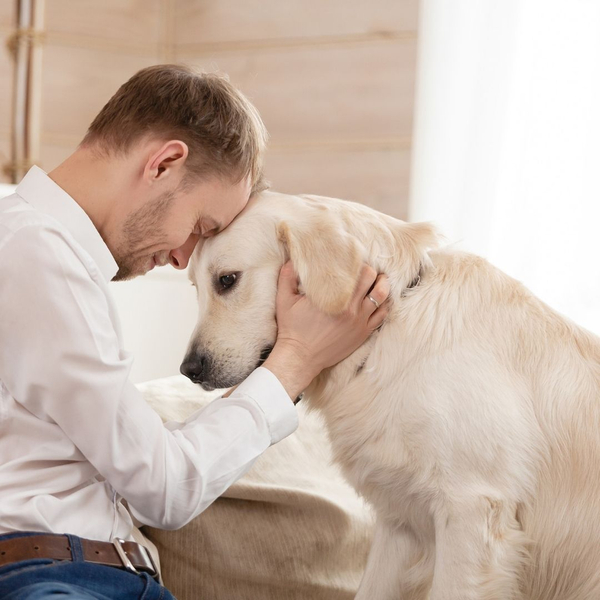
470	421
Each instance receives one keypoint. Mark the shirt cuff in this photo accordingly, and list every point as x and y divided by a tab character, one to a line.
266	390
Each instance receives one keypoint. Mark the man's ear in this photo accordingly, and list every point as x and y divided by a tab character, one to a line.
166	160
327	260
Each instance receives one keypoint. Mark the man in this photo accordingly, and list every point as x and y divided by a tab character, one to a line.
172	158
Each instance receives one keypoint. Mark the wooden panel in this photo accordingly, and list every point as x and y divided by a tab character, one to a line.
6	87
4	157
377	178
8	14
357	91
51	155
204	22
132	21
77	82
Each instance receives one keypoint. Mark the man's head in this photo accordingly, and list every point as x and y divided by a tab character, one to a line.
180	153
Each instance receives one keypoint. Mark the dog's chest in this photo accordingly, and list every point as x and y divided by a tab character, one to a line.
383	459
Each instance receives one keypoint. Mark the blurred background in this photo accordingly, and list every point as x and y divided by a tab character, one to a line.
478	115
332	79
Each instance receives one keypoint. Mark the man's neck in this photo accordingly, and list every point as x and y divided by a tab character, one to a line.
89	179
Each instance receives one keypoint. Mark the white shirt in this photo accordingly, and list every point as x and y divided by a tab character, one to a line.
76	437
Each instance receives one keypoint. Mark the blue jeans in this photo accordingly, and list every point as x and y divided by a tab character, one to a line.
40	579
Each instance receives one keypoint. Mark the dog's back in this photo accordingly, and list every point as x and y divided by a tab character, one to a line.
555	367
563	517
475	388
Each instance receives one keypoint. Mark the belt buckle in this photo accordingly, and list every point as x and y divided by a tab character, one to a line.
118	544
128	565
156	574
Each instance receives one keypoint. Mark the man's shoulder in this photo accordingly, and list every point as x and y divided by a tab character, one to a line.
20	219
34	238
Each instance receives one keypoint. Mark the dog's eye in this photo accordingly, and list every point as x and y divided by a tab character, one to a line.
226	282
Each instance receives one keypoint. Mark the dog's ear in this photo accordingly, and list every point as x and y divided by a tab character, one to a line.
412	241
417	237
327	260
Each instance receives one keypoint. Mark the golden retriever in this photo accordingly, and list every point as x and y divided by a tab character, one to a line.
470	421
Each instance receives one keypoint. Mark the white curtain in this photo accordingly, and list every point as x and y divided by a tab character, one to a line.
506	157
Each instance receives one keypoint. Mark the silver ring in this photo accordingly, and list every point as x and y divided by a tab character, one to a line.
373	301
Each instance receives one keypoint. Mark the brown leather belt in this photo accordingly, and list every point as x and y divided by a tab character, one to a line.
124	555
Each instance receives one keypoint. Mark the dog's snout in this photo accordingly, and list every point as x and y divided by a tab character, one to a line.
193	367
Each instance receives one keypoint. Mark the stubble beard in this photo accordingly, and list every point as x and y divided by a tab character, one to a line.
140	228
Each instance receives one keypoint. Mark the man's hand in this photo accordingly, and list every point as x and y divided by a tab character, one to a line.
309	341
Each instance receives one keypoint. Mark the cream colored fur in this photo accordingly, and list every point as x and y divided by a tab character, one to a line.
470	420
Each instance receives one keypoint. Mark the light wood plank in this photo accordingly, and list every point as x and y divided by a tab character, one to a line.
351	92
77	82
135	21
377	178
51	155
8	14
231	20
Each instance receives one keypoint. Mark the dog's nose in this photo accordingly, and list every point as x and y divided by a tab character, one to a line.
192	367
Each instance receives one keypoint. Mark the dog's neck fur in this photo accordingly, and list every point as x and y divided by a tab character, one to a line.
415	282
400	250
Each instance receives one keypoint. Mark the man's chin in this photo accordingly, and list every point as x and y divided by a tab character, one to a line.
127	272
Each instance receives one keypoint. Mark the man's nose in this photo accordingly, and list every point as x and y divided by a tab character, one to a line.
193	367
180	257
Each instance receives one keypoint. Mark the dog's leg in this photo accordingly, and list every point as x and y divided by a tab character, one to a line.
480	551
398	568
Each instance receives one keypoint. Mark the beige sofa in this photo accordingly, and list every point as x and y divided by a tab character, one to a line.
290	529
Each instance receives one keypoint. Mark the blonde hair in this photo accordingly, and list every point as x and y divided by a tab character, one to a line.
222	129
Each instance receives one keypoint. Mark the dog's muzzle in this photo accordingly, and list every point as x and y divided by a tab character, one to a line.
196	368
200	368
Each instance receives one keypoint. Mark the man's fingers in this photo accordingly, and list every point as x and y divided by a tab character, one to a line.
378	295
366	280
287	286
378	317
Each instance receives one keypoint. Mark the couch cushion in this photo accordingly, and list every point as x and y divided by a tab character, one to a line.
290	529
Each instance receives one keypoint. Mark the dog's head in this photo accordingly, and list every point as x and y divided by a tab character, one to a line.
236	273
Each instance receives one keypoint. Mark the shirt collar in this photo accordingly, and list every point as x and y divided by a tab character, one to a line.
37	189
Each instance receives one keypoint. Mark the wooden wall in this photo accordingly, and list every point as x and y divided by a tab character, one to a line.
7	20
333	79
